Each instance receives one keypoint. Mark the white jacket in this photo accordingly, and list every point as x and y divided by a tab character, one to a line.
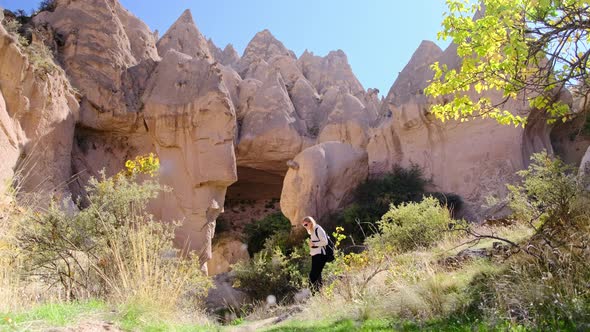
318	242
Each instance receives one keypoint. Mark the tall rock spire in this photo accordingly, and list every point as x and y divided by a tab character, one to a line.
184	37
263	46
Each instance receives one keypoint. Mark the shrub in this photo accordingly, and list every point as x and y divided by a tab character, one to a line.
274	270
259	231
47	5
551	193
112	249
38	54
545	286
410	226
14	28
373	198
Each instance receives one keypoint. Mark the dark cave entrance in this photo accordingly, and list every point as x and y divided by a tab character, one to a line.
254	196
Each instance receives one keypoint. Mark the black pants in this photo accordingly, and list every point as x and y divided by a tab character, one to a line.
315	276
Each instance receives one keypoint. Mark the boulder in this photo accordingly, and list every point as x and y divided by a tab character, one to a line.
226	251
322	179
223	298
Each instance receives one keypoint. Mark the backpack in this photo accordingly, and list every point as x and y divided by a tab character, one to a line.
329	248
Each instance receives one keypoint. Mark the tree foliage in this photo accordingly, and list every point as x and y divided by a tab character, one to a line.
529	50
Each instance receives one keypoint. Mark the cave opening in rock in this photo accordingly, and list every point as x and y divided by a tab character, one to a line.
254	196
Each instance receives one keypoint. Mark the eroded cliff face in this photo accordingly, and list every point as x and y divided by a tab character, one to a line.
38	111
475	159
261	127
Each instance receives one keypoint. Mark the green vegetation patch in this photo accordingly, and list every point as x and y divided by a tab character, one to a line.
52	314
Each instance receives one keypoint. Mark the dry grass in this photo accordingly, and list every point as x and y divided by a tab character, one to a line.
147	270
139	272
414	285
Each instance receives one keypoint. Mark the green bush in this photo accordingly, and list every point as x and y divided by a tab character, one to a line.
275	270
258	232
410	226
545	286
373	198
551	192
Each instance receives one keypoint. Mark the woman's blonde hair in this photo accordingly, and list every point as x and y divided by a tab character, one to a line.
310	219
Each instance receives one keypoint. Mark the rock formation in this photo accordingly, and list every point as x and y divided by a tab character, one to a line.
136	100
321	180
184	37
87	29
189	115
474	159
38	111
226	252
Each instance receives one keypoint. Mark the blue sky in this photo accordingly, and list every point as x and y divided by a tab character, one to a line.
379	36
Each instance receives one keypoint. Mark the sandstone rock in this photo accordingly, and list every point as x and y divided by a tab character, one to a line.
38	111
230	56
9	146
184	37
348	120
226	252
215	51
232	81
349	131
94	151
569	139
223	296
474	159
258	69
329	71
270	131
287	66
414	77
307	102
190	117
87	29
263	46
227	57
373	104
327	175
247	89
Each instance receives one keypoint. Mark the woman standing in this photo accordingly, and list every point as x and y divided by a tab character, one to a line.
317	250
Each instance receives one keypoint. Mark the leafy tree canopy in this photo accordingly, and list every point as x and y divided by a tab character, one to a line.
524	49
